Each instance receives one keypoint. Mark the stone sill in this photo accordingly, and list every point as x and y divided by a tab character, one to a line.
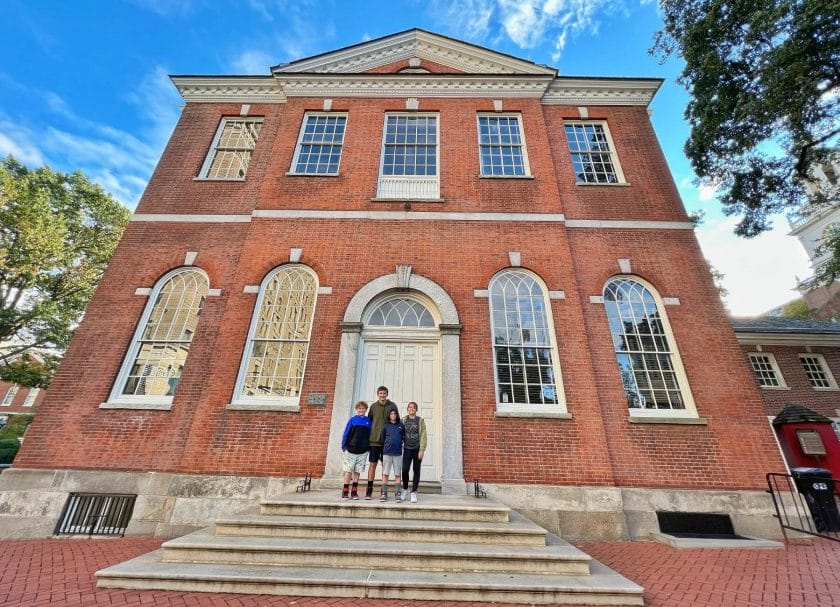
211	180
432	200
609	185
263	407
506	177
534	414
290	174
684	421
138	406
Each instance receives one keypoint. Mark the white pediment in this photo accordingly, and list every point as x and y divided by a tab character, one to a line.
414	44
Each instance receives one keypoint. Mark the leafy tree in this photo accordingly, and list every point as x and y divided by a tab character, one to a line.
57	233
796	309
763	79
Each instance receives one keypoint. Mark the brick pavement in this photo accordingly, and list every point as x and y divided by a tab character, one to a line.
59	573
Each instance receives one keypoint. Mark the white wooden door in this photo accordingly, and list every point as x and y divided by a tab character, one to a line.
410	370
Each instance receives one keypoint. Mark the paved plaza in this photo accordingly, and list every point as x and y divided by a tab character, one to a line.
60	572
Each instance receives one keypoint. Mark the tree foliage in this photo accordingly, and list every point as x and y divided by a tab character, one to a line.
763	79
797	309
57	233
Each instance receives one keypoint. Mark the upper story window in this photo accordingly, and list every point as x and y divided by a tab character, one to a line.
502	146
650	367
524	347
278	339
155	360
593	153
409	165
30	398
817	371
767	372
319	145
230	153
10	396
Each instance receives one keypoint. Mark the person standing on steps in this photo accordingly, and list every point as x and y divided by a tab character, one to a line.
414	448
355	443
378	414
392	448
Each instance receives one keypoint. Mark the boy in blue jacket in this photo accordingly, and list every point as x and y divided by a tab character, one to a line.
355	444
393	434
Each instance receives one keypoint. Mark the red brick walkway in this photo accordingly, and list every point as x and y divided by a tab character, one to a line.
59	572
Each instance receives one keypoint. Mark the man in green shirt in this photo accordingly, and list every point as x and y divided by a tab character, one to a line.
378	414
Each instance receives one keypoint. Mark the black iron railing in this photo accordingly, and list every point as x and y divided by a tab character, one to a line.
806	504
96	514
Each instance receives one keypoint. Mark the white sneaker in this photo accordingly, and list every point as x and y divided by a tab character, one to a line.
413	497
403	495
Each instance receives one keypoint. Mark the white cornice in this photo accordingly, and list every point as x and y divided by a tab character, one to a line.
415	43
596	91
787	339
413	85
234	89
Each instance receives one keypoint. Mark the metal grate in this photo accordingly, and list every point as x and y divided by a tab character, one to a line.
96	514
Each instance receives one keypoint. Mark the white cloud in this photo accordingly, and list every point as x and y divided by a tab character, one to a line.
253	62
18	142
707	192
760	273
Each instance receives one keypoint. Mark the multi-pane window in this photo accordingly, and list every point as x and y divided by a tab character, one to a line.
30	398
646	361
593	158
232	147
523	342
817	371
501	146
157	356
766	371
278	343
10	396
409	165
401	312
319	145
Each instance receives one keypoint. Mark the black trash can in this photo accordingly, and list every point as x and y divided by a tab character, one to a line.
817	486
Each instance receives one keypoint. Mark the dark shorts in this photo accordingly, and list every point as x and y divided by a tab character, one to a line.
375	454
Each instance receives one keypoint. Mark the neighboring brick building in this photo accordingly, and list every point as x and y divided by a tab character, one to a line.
501	244
17	400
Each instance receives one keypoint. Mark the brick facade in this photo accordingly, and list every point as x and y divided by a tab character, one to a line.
728	448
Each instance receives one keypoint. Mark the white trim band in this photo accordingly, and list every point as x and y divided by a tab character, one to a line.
185	218
398	215
632	224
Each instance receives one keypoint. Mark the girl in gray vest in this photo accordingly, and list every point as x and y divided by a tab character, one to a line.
413	449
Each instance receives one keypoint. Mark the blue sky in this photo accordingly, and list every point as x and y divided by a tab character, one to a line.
84	85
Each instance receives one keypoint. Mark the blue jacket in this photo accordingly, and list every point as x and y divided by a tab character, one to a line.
356	437
392	438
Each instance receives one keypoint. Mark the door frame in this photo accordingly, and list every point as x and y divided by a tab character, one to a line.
449	329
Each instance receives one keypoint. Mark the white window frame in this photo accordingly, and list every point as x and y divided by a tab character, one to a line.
271	403
294	168
690	410
829	376
214	149
522	145
409	187
31	396
775	367
119	400
619	173
10	396
525	408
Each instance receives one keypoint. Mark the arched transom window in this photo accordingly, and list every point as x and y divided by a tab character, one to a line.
650	369
278	342
525	354
158	353
401	312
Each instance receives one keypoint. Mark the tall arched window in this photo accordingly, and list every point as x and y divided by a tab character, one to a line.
157	355
650	367
278	340
524	348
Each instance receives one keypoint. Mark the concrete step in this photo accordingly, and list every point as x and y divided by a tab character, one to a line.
430	508
555	558
518	532
147	572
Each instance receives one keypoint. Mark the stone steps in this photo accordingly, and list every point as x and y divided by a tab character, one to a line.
447	548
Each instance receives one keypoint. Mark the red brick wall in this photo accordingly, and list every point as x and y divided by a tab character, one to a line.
799	389
16	406
597	446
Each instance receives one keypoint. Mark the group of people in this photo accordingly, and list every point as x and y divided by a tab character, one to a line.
379	435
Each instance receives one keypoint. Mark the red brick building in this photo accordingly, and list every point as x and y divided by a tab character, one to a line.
19	400
501	244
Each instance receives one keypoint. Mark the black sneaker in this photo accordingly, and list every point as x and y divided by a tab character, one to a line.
383	497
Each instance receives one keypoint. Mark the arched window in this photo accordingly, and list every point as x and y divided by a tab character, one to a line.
278	340
155	360
401	312
650	367
524	349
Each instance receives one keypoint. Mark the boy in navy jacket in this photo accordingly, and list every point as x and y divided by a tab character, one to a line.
355	444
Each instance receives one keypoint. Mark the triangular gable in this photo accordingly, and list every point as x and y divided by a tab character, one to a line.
414	46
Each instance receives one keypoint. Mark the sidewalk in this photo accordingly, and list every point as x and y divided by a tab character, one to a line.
59	573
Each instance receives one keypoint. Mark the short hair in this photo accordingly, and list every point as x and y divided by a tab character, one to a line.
361	403
381	388
412	403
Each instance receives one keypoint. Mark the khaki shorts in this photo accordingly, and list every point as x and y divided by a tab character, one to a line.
354	462
392	462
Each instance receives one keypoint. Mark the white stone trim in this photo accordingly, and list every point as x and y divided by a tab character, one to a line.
143	291
214	292
411	215
324	290
779	339
189	258
557	295
498	105
583	112
601	91
484	293
243	111
624	266
327	105
412	103
137	406
671	301
629	224
596	299
251	289
189	218
515	258
241	89
294	255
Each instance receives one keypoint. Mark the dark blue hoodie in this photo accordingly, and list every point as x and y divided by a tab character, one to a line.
392	438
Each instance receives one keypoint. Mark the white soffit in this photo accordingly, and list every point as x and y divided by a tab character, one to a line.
601	91
458	55
239	89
